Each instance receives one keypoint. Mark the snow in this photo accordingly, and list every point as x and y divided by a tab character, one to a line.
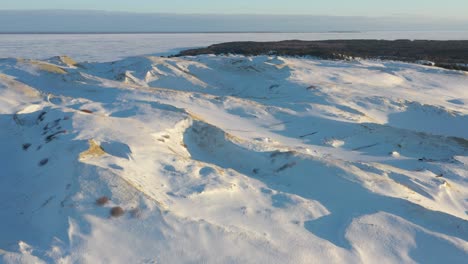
232	159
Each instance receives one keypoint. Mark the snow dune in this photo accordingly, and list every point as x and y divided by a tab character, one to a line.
232	159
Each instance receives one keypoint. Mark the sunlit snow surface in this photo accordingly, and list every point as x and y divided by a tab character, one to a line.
232	160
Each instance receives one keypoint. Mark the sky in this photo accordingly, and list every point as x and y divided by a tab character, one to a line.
79	21
457	9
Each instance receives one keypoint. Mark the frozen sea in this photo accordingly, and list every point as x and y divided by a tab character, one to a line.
110	47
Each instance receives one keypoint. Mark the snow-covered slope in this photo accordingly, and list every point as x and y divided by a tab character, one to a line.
232	160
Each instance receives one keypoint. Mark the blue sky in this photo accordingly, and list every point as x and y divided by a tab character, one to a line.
431	8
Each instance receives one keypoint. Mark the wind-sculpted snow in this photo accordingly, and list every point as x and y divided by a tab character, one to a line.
232	159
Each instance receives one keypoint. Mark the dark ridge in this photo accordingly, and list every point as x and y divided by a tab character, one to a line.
449	54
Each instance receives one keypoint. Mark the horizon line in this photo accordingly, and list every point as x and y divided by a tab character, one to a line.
210	32
238	14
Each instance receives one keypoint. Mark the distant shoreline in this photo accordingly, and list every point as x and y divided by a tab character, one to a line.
449	54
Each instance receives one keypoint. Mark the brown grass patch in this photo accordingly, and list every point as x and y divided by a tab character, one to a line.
43	66
86	111
68	61
94	150
102	200
117	211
